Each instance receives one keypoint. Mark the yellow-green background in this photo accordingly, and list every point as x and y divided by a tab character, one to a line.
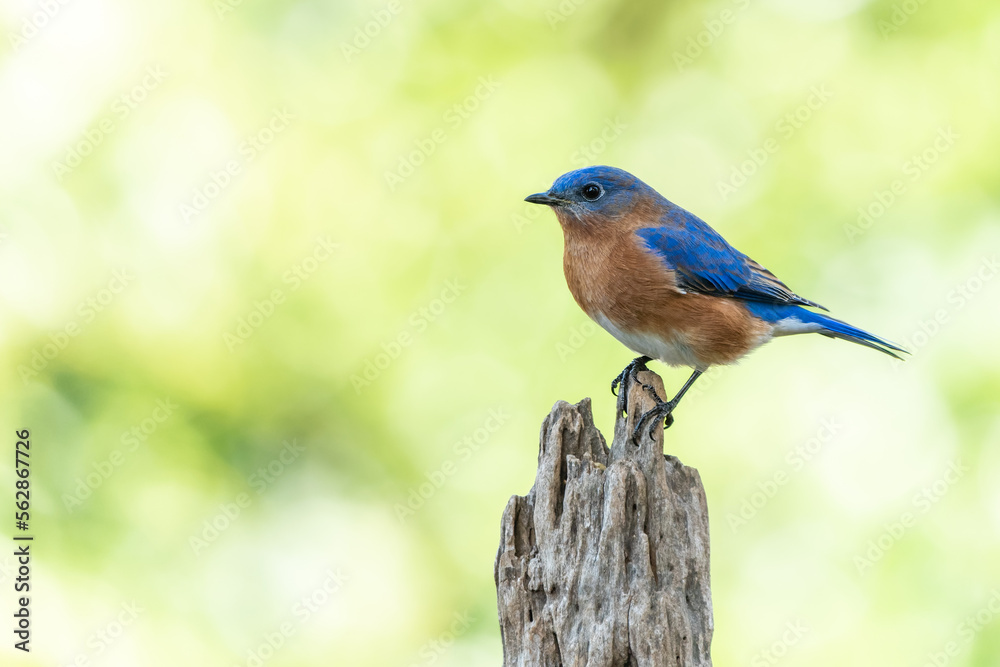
512	341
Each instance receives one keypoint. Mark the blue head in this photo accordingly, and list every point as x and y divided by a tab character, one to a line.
595	194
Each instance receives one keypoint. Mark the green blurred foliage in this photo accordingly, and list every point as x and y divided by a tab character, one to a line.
252	136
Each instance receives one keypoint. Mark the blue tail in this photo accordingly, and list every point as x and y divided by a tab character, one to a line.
789	319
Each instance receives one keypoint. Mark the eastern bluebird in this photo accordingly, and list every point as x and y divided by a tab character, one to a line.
668	286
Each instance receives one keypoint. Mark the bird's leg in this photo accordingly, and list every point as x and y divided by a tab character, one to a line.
663	409
636	365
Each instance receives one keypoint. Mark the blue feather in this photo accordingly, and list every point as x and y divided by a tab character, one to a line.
705	262
824	324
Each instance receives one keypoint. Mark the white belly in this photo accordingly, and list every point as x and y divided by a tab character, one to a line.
673	351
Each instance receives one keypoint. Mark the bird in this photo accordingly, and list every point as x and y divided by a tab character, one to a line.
666	285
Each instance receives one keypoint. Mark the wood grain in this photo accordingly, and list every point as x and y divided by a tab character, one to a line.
605	563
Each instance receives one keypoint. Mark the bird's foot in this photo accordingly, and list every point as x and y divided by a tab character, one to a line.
662	410
636	365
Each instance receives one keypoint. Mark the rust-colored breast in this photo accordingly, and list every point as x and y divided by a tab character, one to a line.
612	275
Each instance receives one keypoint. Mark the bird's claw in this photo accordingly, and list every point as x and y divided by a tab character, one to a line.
662	410
629	373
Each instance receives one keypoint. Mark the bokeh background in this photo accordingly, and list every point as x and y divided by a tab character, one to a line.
284	331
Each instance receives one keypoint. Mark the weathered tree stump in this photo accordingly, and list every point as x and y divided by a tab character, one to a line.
605	563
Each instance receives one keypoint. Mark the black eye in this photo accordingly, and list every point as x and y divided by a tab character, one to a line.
591	191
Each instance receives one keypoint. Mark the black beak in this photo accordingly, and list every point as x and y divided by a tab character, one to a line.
544	198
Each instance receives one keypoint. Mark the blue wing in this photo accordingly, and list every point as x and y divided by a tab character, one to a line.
704	262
